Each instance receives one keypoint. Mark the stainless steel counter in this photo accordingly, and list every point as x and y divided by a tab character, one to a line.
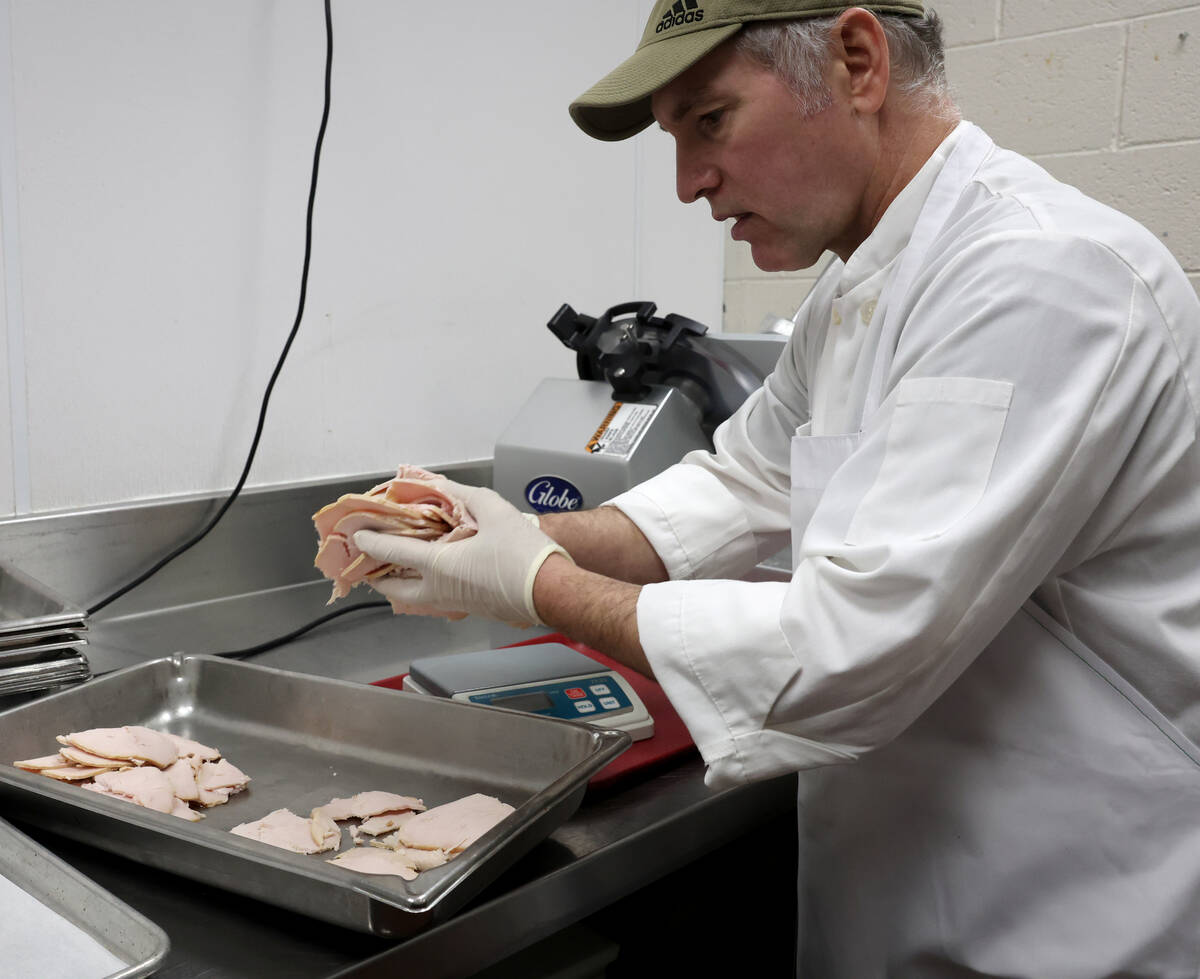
253	580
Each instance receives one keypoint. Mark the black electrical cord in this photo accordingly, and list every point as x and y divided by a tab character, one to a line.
262	414
262	647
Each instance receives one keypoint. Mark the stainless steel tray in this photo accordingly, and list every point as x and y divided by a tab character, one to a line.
133	939
27	606
52	638
304	740
43	675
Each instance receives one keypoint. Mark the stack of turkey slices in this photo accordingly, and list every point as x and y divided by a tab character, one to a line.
413	504
154	769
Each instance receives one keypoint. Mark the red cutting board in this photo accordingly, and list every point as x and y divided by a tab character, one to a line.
669	741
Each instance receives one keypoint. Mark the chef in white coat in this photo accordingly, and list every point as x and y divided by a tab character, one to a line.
981	445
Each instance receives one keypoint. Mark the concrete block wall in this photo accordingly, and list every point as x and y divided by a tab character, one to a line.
1105	94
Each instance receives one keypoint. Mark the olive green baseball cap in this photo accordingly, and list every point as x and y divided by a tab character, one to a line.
678	34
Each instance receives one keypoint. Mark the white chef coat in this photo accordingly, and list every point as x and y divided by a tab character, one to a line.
1026	427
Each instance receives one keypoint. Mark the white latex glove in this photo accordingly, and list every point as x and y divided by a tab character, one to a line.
490	573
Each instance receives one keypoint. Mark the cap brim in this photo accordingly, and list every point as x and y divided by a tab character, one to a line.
618	106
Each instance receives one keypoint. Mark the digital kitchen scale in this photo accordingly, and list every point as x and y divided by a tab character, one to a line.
545	678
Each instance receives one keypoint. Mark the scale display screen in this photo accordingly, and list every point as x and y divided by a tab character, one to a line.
533	701
545	678
594	696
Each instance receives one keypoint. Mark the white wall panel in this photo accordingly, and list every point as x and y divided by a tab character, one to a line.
8	473
164	152
679	244
13	475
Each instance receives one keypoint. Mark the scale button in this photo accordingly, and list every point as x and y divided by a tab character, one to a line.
609	703
584	706
575	692
599	689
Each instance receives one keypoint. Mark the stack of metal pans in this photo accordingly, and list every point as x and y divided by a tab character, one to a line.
42	638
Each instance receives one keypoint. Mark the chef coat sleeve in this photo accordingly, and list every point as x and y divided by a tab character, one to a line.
1032	368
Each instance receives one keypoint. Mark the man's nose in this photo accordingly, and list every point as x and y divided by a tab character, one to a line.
694	177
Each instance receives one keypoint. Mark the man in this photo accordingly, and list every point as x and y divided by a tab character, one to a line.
982	442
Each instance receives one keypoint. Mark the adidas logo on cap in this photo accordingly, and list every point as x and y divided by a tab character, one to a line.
679	13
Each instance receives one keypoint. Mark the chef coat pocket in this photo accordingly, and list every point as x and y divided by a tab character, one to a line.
940	447
815	458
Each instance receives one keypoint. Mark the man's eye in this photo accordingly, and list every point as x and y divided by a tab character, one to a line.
710	119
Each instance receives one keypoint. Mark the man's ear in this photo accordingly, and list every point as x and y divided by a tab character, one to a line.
862	59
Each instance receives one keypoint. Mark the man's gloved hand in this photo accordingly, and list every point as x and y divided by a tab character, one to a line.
490	573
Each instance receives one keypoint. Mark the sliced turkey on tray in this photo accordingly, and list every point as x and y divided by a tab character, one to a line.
373	860
153	769
382	860
325	832
368	804
183	780
77	756
43	763
216	781
442	832
454	826
385	822
70	772
133	742
283	828
147	786
193	751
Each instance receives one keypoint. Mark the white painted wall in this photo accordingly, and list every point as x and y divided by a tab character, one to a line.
1103	93
154	166
7	447
12	377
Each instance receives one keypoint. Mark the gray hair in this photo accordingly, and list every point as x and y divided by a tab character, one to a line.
798	52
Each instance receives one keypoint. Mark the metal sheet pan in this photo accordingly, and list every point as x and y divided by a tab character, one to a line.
28	606
115	926
43	675
305	740
33	653
37	638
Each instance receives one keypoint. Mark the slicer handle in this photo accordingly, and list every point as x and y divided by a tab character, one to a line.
570	327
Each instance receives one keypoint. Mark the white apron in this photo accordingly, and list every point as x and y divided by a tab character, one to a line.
1039	820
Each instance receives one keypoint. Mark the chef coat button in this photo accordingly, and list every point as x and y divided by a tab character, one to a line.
837	318
868	310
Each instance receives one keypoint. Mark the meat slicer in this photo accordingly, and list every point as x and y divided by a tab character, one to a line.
649	390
